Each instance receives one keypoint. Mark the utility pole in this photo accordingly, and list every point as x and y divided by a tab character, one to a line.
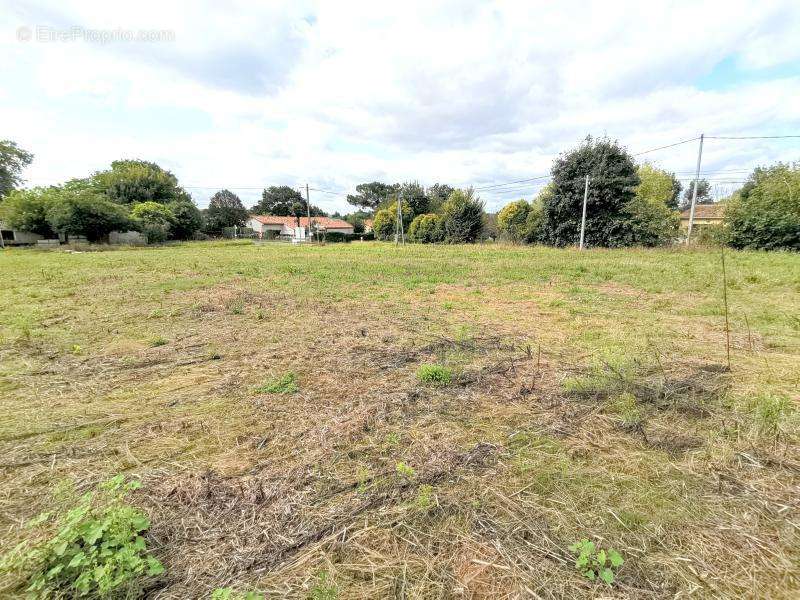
399	233
694	191
308	211
583	217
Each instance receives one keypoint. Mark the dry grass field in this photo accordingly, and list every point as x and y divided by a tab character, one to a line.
589	397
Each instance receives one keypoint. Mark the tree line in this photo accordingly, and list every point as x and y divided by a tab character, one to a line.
638	205
628	205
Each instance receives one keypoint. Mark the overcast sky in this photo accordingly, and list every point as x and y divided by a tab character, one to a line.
225	94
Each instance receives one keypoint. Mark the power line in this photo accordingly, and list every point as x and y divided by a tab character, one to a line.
750	137
489	187
667	146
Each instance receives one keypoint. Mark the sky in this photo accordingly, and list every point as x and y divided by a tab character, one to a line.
240	96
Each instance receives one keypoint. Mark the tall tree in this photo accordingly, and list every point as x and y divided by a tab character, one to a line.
413	195
132	181
278	200
462	217
613	183
13	160
225	209
703	193
438	194
658	185
370	196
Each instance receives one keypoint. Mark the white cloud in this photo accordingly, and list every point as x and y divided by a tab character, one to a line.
338	93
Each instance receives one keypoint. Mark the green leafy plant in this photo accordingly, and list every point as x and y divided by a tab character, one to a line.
231	594
425	497
95	549
324	588
157	341
285	384
404	470
594	562
434	375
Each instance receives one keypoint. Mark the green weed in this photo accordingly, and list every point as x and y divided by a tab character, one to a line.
97	548
436	375
157	341
594	562
285	384
404	470
324	588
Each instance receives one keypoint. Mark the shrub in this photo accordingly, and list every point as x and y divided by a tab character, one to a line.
188	220
651	222
512	220
383	224
425	229
434	375
366	237
765	214
335	237
595	562
285	384
98	549
462	217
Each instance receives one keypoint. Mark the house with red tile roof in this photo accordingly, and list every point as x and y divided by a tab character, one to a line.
269	226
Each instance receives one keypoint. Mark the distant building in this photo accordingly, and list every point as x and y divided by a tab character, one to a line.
368	225
268	226
704	214
14	237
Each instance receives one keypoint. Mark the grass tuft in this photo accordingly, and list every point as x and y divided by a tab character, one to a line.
437	375
285	384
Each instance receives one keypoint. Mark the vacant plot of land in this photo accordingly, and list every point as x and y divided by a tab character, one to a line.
271	400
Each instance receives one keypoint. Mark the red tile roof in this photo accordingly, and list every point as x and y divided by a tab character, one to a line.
705	211
324	222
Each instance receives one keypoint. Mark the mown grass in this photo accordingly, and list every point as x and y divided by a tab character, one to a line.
589	398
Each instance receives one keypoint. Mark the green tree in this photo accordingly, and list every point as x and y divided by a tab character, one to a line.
86	213
438	194
155	219
384	224
370	196
658	185
765	214
512	220
26	210
462	217
225	209
703	193
413	195
132	181
406	211
612	187
188	219
13	160
652	222
426	229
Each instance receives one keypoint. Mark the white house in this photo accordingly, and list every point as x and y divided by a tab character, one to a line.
268	226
